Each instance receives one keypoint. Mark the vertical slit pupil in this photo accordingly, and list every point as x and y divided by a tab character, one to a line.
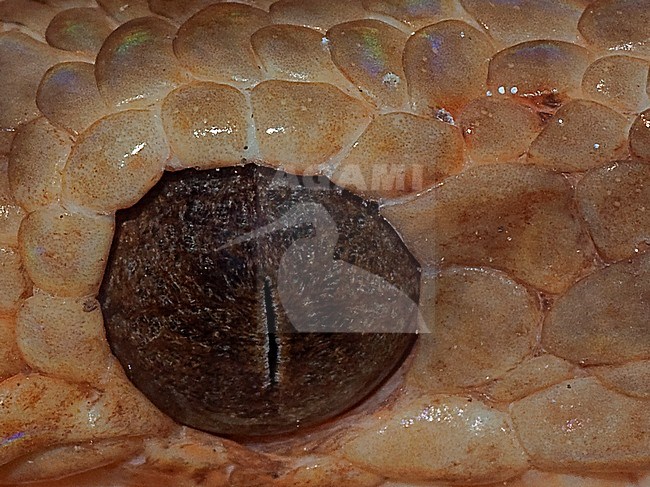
271	332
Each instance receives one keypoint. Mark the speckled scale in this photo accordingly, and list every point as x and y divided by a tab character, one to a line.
215	43
446	66
81	30
369	53
136	66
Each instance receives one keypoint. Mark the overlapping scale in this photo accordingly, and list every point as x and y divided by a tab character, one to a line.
603	318
295	53
526	227
446	65
414	13
400	153
37	159
546	69
615	203
582	134
68	96
617	26
498	129
316	14
369	53
136	66
206	124
535	19
301	126
80	30
116	161
618	81
215	43
65	252
23	61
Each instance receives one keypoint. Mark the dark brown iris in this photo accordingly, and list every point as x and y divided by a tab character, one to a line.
245	301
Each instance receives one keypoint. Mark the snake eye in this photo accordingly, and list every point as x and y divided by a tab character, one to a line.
244	301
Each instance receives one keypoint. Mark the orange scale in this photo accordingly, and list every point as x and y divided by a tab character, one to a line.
215	43
136	66
617	26
79	30
446	66
582	134
539	69
369	54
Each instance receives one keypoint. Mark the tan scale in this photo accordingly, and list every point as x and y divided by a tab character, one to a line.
539	68
618	81
535	19
206	124
603	319
296	53
482	325
68	96
300	126
498	129
630	378
116	161
518	227
38	155
617	25
11	213
400	154
369	53
446	66
530	376
640	137
79	30
615	203
14	283
216	44
63	337
581	135
65	252
415	14
136	65
565	406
